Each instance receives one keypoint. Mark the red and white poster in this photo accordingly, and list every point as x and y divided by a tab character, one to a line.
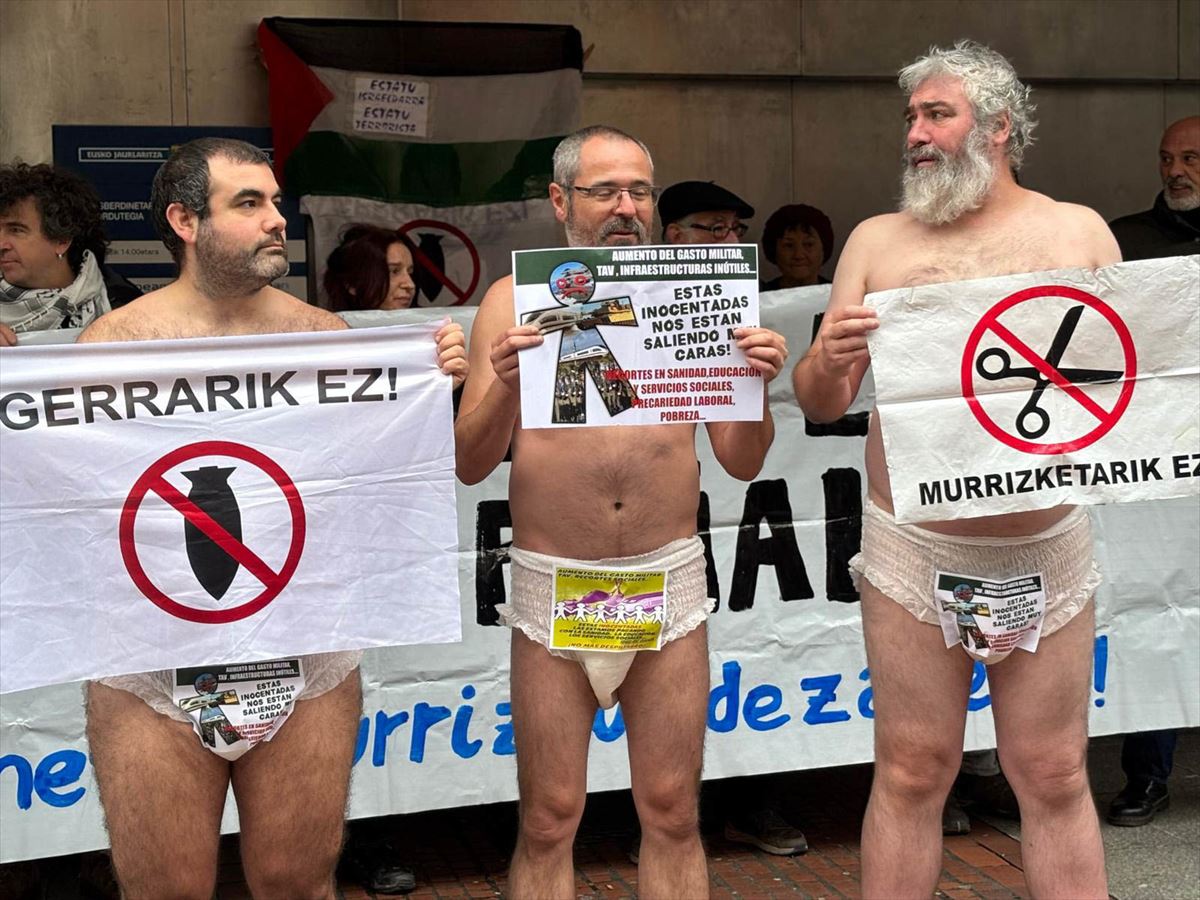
1028	391
166	504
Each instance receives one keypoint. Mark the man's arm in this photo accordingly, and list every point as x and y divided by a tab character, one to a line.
491	397
827	379
1102	241
8	337
741	447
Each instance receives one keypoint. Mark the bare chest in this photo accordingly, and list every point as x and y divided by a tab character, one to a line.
939	258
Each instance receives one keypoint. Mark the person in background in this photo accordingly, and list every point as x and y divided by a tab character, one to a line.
1169	228
371	268
702	212
799	240
52	249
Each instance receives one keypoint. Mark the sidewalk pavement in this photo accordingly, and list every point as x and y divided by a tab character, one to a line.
463	853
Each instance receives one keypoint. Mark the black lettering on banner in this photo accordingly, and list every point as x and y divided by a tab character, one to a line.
843	531
54	407
108	394
140	393
703	522
278	386
767	500
21	418
360	393
491	555
326	385
849	425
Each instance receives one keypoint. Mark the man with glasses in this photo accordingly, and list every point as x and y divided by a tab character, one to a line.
612	498
701	212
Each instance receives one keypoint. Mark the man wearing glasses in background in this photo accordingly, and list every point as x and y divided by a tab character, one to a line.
614	498
701	212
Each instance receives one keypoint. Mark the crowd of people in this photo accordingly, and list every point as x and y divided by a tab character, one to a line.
963	215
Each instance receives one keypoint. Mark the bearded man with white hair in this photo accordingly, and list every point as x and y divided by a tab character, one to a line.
963	216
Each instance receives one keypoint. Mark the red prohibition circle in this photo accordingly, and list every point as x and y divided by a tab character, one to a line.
991	317
147	481
425	262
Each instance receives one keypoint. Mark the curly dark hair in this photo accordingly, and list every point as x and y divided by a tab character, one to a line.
356	274
68	205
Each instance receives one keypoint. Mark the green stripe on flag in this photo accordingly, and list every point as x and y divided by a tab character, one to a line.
331	164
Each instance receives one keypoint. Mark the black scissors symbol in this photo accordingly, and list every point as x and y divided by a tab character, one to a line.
1059	346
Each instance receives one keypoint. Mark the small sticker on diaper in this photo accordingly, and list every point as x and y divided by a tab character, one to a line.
607	609
991	618
234	706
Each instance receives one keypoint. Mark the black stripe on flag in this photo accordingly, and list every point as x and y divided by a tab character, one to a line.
430	48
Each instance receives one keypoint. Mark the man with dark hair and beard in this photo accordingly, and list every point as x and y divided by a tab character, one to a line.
215	204
964	216
616	498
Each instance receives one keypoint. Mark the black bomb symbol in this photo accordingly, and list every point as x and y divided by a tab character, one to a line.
213	567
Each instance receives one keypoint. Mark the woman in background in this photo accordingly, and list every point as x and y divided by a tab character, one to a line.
372	268
799	240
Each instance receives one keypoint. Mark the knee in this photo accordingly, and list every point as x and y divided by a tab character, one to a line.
549	817
1049	779
669	807
178	885
917	774
287	878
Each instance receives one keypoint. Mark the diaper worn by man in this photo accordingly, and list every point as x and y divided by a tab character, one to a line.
964	216
620	504
167	745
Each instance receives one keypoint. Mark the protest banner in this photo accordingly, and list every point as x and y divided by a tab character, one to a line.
637	335
1025	392
790	686
222	500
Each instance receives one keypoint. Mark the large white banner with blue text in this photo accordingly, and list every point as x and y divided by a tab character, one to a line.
790	688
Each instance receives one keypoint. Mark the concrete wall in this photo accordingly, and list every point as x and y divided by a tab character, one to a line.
779	100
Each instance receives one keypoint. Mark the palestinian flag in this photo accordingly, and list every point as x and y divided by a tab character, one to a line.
443	129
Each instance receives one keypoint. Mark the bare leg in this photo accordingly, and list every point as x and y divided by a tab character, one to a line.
920	689
664	701
291	795
1040	703
162	794
552	712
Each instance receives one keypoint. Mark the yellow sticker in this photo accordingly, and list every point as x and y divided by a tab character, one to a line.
607	609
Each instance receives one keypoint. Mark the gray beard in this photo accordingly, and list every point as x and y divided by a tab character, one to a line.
1184	204
956	185
225	271
577	237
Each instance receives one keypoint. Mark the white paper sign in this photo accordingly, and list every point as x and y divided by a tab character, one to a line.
1029	391
637	335
177	503
391	104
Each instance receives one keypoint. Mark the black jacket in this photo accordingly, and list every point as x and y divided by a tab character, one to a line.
1159	231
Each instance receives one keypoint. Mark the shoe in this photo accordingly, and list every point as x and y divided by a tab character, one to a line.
374	867
768	831
954	817
987	795
1138	803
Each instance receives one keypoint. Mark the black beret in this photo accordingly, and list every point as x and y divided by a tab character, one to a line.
689	197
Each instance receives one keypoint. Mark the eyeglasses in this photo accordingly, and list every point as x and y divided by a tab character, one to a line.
606	193
719	230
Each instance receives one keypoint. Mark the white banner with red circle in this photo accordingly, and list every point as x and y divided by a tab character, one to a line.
179	503
1028	391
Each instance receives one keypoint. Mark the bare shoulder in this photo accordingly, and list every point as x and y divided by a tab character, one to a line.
139	320
1090	230
293	314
